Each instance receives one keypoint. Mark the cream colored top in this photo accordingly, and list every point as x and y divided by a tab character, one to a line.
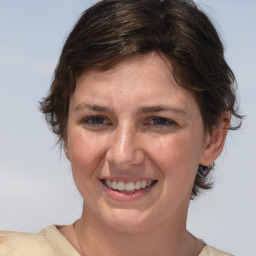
50	242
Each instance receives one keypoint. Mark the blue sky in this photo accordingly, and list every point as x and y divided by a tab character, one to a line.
36	187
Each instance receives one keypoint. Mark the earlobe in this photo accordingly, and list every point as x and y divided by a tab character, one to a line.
216	140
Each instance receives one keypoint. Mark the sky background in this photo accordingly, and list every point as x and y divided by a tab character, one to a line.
36	187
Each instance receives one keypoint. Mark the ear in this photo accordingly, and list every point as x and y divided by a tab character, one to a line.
215	141
66	149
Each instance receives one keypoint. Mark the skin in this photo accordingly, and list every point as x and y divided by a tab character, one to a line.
131	123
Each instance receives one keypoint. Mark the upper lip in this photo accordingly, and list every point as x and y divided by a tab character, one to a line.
126	179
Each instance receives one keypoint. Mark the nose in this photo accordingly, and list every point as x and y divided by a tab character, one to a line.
125	149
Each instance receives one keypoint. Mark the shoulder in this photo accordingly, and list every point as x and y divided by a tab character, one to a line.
48	242
211	251
17	243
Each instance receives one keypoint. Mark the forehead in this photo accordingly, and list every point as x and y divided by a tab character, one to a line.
144	79
148	68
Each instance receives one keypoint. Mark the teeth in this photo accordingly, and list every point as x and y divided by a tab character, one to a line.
121	185
114	185
149	182
108	183
129	186
138	185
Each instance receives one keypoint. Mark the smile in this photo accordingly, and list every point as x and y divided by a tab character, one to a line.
131	186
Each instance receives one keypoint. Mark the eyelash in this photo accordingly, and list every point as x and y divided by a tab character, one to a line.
159	122
162	122
94	121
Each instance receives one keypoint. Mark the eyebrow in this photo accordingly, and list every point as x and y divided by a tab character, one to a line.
93	107
161	108
142	110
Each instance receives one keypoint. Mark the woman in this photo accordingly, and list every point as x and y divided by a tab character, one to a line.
141	100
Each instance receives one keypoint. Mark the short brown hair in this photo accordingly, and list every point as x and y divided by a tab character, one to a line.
112	31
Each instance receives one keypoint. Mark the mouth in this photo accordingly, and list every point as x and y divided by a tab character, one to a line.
130	186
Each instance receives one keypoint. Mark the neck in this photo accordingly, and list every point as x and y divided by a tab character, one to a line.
171	239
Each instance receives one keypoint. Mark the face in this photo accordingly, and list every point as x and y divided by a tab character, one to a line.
135	139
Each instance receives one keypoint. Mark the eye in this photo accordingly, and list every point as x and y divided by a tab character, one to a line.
160	121
95	121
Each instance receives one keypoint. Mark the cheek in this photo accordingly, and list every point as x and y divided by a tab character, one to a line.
86	157
85	151
177	155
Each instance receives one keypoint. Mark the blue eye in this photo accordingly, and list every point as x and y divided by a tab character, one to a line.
159	121
95	121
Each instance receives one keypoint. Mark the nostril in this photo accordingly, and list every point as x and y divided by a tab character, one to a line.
124	150
126	159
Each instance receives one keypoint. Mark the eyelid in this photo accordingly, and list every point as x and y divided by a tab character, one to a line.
168	120
87	120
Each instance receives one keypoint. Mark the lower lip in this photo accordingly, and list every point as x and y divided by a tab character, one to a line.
125	195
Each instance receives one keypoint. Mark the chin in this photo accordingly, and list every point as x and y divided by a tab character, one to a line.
128	220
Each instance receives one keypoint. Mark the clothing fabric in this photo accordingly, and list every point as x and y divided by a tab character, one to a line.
50	242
